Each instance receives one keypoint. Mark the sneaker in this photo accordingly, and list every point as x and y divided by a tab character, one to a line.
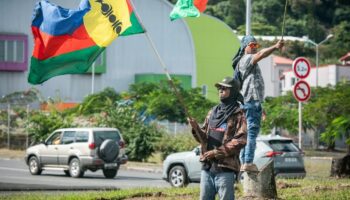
249	167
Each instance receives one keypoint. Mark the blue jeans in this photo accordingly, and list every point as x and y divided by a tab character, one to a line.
217	183
253	112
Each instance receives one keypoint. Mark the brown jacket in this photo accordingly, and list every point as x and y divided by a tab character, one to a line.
235	138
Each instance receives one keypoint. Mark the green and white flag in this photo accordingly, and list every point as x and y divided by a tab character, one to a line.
184	8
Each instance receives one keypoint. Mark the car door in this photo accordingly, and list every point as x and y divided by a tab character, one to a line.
49	152
194	165
66	148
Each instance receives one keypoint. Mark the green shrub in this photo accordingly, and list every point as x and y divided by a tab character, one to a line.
41	124
176	143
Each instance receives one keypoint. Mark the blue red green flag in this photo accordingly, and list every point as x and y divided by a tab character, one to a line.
67	41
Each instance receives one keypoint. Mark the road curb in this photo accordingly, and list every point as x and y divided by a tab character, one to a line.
143	169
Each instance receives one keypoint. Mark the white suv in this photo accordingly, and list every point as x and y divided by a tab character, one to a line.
75	150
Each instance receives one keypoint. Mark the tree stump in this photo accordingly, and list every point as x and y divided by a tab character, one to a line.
260	184
341	167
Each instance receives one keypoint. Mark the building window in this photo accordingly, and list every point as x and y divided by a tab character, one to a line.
293	80
13	52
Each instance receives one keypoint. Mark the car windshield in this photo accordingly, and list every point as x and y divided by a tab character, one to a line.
100	136
283	145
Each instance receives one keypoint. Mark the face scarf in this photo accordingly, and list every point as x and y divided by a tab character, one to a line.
226	108
244	43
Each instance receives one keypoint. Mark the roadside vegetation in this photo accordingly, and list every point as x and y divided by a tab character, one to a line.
136	113
328	114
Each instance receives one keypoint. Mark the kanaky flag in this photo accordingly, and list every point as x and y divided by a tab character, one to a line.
68	41
188	8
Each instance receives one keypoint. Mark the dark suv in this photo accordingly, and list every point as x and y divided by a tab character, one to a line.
75	150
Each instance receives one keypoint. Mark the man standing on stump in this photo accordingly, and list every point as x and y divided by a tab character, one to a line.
248	73
222	136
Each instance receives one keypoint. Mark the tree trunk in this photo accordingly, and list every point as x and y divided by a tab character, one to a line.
341	167
331	146
260	184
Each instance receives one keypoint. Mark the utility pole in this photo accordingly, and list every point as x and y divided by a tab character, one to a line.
248	16
8	124
93	78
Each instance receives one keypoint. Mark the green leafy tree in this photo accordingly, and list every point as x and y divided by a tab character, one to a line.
281	112
334	109
160	100
97	103
339	128
325	112
340	44
41	124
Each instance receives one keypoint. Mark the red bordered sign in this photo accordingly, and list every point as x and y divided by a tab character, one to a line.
301	67
302	91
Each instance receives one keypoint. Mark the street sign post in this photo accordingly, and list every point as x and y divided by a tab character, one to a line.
301	67
301	91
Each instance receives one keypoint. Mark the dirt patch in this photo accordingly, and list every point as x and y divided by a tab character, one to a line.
156	196
344	186
283	185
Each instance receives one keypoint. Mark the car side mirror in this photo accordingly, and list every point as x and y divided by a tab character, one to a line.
197	151
42	142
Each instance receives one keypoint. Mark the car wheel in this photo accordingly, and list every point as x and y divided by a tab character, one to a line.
109	150
178	176
75	169
110	173
66	172
34	166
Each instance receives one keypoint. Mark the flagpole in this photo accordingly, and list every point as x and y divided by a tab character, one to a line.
178	95
93	78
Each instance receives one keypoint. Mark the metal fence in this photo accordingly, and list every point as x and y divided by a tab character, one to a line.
13	122
174	127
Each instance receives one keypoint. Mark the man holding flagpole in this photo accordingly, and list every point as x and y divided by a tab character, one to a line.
221	137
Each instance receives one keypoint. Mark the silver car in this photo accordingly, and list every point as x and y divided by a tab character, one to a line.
180	169
75	150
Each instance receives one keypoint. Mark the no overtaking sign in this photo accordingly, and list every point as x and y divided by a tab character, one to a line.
302	91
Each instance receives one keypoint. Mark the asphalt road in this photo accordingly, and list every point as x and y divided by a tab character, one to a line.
15	176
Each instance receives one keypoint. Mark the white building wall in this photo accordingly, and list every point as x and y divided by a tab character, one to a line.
343	73
271	73
126	56
327	75
266	67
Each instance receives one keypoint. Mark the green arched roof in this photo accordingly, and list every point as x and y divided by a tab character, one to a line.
215	45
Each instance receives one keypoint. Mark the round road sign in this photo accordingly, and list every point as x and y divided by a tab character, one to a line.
302	91
301	67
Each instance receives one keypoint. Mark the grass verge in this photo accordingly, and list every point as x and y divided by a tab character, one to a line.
304	189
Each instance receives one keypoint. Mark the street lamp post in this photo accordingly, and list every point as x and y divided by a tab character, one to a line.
248	16
317	45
